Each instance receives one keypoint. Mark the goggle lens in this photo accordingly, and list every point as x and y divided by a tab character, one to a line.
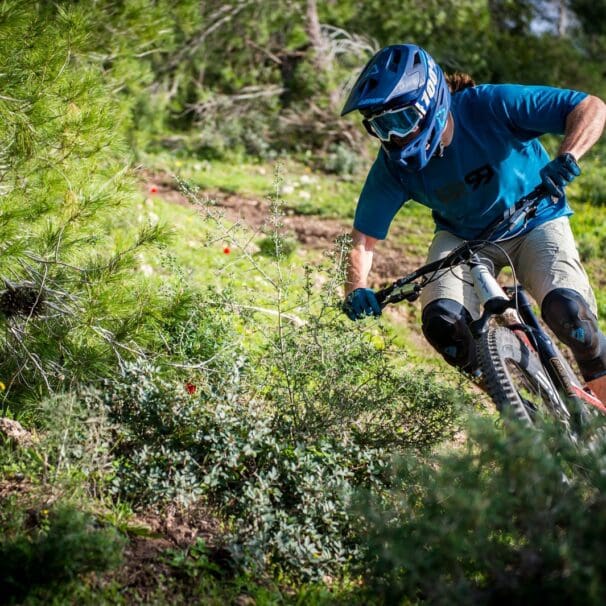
399	122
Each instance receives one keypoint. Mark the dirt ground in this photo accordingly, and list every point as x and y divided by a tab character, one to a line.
391	261
147	555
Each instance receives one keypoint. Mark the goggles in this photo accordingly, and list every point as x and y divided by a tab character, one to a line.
399	122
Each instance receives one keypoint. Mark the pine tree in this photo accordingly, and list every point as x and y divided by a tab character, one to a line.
70	307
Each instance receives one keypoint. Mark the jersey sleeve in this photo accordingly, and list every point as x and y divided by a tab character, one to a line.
382	196
531	111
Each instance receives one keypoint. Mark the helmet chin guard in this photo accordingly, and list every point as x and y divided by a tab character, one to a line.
399	77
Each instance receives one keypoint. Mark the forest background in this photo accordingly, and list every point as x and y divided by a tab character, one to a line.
187	417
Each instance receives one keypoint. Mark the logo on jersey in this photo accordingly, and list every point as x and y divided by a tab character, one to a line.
479	176
452	192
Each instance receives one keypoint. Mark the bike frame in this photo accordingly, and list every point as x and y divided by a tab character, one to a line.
550	356
560	379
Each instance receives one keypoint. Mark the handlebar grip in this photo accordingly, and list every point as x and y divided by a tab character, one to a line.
395	293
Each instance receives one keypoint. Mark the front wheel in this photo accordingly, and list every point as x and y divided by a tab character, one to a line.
515	378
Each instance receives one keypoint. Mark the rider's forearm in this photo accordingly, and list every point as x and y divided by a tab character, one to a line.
584	126
360	261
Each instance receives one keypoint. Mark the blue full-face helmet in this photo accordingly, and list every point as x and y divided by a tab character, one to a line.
404	98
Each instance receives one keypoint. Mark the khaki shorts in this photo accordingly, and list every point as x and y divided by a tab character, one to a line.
543	259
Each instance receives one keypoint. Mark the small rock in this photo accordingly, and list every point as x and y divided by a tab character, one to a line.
13	430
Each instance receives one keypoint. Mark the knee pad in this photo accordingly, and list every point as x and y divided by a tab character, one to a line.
445	324
567	313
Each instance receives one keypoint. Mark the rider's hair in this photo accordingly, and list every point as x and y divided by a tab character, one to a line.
458	81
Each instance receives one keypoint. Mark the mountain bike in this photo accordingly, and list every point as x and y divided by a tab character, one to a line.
520	367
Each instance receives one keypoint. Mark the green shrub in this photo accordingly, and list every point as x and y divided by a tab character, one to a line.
276	247
330	376
286	410
322	374
341	159
513	517
50	549
287	500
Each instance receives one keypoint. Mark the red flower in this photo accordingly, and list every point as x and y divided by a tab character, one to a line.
227	250
153	189
190	388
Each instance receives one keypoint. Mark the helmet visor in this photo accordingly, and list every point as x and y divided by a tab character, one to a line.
399	122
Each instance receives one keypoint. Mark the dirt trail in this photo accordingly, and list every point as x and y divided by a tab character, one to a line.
313	232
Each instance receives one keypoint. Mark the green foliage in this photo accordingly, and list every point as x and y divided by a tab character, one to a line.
196	576
513	517
192	562
329	377
255	78
276	435
287	500
591	186
63	170
276	247
592	16
50	549
444	28
341	160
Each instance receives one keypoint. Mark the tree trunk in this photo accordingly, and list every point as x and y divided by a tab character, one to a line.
321	54
321	58
562	18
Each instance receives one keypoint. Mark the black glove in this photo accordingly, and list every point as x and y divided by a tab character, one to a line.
559	173
360	303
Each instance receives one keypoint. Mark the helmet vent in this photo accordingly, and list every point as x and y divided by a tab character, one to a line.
394	60
369	85
417	59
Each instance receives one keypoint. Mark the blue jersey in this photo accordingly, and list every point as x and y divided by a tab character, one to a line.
493	160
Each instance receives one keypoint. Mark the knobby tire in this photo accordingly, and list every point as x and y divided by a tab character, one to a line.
515	378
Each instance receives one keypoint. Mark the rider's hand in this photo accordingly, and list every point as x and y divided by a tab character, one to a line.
559	173
361	302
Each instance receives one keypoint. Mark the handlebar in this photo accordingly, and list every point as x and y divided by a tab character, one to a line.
405	288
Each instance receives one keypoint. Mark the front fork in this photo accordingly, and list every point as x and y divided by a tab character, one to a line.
514	307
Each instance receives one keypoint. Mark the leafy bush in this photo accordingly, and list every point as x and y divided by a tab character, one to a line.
287	500
511	518
322	374
276	247
52	548
342	160
276	416
281	464
327	377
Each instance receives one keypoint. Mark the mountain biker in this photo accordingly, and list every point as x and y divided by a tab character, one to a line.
469	153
